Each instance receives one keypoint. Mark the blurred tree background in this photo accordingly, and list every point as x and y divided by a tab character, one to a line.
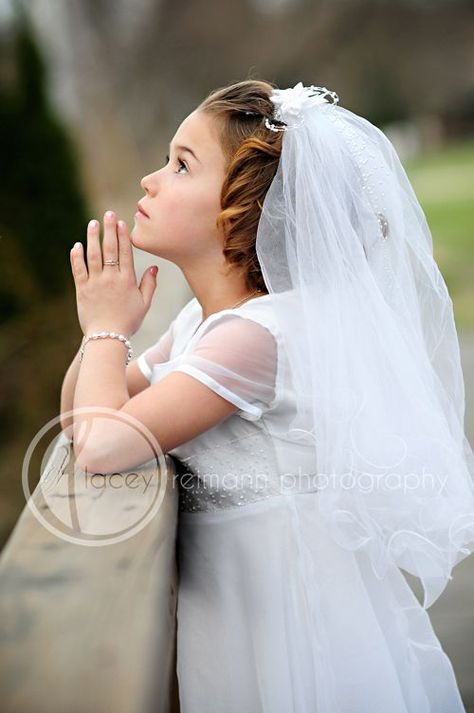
91	92
42	204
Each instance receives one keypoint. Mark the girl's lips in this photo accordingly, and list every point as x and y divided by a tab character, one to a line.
142	210
139	214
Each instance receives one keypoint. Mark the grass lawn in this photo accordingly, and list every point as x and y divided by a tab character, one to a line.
444	183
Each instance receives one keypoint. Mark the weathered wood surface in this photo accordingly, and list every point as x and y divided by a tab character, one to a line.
83	628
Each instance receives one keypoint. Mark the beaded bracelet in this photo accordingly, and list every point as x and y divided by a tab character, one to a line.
114	335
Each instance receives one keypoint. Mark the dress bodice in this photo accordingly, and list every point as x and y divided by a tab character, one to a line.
249	455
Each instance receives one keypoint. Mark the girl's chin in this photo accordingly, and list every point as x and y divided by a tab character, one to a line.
139	244
134	236
138	228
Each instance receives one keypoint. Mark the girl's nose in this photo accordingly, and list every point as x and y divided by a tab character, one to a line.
148	183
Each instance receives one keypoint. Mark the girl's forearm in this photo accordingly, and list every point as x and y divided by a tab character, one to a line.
67	394
102	383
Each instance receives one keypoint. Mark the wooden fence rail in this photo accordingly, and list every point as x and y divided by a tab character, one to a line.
87	628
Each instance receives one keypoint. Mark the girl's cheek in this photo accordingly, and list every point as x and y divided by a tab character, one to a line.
175	202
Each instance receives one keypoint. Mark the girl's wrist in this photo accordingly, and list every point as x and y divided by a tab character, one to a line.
109	335
97	329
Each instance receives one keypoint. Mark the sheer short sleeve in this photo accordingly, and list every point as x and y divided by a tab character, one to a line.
158	352
237	358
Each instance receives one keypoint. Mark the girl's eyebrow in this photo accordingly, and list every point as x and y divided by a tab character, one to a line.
186	148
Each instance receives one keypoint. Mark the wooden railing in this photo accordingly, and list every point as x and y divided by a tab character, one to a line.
87	628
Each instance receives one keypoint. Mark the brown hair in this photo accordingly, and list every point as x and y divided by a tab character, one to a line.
253	152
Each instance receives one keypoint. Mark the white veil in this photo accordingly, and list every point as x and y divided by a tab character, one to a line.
372	347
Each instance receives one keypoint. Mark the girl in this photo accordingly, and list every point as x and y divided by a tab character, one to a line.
291	598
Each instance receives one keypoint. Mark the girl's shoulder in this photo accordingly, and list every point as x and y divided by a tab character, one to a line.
257	308
265	309
272	310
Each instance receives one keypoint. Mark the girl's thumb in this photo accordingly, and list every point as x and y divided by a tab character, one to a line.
148	283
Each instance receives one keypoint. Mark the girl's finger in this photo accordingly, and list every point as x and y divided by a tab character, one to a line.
78	265
94	253
125	248
110	242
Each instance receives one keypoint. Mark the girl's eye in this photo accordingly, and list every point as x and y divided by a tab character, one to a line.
181	163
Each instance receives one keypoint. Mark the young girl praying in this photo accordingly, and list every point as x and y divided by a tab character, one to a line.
302	362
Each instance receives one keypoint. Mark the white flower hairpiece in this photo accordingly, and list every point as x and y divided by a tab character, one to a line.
289	103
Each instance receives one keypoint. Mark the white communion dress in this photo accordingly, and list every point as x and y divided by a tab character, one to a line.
273	616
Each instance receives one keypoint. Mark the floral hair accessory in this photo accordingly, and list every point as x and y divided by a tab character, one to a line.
289	104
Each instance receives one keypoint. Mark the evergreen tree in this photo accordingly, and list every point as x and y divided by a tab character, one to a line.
42	207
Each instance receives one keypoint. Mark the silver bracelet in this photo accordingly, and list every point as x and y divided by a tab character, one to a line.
114	335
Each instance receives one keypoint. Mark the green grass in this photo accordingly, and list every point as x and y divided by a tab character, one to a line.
443	181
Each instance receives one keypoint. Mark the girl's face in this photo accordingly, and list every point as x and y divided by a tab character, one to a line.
183	197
